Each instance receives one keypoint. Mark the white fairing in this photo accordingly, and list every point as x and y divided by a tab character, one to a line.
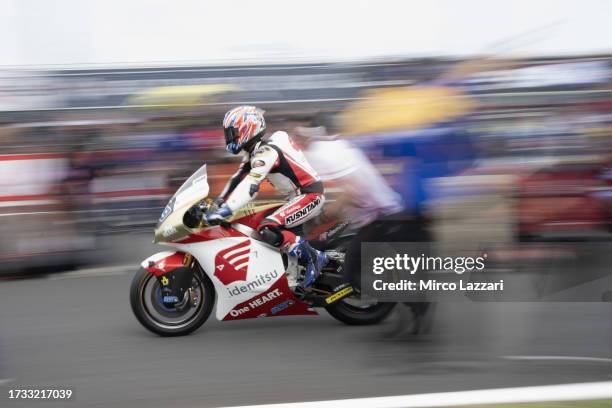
265	267
241	268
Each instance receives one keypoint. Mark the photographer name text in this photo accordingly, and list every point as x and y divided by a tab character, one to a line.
434	285
410	265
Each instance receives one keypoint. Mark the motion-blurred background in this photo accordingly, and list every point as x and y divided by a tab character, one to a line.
492	119
498	117
92	152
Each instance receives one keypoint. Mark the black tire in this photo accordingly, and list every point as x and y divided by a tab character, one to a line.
144	307
359	316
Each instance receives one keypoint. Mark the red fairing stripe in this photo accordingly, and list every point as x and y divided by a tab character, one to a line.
210	234
167	264
279	300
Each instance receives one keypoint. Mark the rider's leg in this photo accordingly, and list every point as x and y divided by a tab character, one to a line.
294	245
273	230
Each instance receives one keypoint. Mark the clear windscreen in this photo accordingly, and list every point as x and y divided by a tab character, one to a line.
195	187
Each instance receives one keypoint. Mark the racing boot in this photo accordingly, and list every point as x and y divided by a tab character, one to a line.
314	260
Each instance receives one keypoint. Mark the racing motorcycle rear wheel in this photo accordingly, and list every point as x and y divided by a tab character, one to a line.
356	312
185	317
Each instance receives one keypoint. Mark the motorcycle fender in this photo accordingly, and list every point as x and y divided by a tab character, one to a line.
161	263
172	270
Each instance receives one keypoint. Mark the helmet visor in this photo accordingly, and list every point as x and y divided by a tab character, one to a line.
231	135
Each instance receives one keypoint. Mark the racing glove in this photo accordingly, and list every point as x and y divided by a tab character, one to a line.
217	217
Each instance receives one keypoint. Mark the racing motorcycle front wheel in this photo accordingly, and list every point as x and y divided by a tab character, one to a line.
184	317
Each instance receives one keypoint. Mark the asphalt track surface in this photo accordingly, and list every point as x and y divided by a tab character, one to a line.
79	332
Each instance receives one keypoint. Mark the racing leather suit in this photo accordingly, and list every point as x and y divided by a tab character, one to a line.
284	165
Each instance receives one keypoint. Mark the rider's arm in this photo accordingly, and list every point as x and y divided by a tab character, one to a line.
263	160
233	182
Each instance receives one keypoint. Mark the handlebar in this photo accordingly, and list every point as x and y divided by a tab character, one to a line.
194	217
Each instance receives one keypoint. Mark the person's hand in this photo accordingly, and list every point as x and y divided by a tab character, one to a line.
214	218
218	217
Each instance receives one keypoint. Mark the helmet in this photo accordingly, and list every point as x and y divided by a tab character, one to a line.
243	127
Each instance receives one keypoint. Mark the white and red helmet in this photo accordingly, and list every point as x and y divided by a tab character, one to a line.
242	126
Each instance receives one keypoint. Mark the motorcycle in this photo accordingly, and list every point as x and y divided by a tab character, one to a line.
175	291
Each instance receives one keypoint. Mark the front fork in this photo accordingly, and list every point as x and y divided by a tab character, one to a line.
174	272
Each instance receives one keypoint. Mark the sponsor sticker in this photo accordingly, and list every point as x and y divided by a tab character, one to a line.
168	231
338	295
167	210
170	299
303	212
256	303
281	306
253	284
258	163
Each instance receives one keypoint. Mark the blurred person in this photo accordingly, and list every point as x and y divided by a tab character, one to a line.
365	193
277	159
366	202
370	206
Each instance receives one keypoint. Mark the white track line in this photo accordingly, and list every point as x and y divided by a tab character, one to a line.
564	392
559	358
93	272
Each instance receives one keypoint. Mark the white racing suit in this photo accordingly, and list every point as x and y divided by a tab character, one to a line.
286	168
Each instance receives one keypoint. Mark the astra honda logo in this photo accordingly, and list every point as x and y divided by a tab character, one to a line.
232	263
303	212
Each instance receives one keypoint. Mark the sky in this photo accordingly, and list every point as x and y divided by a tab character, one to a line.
155	32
